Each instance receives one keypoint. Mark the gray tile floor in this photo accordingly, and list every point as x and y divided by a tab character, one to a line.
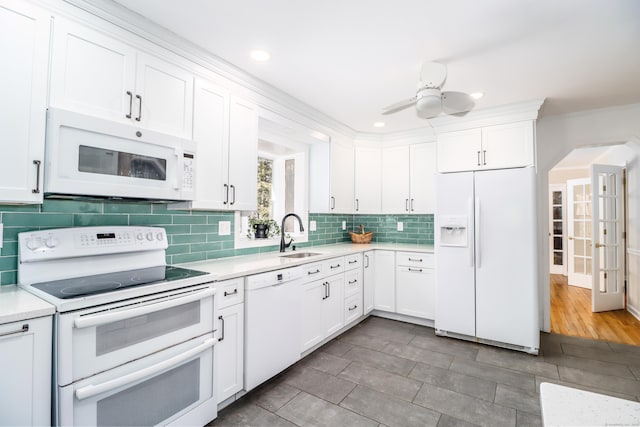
388	373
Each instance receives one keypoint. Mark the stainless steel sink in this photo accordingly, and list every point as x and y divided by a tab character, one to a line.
299	255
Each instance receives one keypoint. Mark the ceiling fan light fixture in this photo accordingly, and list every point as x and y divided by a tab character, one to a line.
429	102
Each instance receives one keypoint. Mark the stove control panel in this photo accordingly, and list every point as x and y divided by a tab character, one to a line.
86	241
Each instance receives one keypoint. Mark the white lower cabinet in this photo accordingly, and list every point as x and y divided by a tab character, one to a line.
384	296
415	285
322	309
25	369
229	351
368	282
352	308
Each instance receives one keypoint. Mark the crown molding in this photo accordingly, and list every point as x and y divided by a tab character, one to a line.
263	94
488	117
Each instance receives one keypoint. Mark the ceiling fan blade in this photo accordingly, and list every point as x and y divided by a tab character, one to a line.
456	102
433	74
393	108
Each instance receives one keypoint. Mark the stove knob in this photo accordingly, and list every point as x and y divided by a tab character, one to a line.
51	242
33	244
140	236
149	236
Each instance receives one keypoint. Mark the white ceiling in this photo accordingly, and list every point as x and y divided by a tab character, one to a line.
350	58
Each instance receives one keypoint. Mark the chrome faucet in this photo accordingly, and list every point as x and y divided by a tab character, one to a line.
284	245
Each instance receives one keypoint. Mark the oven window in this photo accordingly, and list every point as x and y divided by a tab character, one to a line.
119	163
152	401
128	332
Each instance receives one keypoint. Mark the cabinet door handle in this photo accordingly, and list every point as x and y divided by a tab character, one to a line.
406	205
226	188
333	202
235	291
353	308
140	109
22	330
36	190
484	157
419	270
130	104
415	260
334	266
325	290
366	264
233	188
411	205
328	289
313	272
478	158
221	327
351	282
357	205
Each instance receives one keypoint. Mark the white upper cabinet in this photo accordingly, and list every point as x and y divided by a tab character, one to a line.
24	48
368	180
408	181
243	156
492	147
96	74
225	129
395	180
342	175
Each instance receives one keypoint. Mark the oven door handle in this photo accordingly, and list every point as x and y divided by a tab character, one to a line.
93	390
101	319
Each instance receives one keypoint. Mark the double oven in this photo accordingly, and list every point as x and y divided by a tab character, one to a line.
133	337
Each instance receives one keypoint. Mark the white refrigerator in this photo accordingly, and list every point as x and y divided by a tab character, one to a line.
486	257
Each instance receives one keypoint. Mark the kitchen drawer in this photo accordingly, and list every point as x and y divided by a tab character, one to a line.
353	261
230	292
352	308
415	259
334	265
352	283
314	271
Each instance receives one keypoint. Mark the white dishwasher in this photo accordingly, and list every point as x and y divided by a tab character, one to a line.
273	331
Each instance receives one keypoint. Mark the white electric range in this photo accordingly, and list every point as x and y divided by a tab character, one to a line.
133	337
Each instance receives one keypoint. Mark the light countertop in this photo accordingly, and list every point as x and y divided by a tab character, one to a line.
245	265
566	406
17	305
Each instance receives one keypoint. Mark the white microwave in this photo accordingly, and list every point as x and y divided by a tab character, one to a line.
88	156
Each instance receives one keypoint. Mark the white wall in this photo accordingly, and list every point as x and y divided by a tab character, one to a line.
557	136
560	176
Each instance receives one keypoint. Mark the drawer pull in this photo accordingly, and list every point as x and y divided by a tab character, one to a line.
419	270
353	308
25	328
313	272
415	260
235	291
355	261
334	266
354	281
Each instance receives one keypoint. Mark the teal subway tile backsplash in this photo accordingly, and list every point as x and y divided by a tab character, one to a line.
192	236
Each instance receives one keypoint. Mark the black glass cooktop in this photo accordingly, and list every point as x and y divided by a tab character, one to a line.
101	283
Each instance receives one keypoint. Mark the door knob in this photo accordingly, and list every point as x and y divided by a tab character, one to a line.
600	245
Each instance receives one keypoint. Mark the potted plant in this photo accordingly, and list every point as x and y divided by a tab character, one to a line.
262	226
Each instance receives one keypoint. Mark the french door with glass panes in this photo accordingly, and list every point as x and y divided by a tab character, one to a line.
557	229
579	232
608	238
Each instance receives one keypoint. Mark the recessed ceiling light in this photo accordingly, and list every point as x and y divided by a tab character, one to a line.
378	124
260	55
477	95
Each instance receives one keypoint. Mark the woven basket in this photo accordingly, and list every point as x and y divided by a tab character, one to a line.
361	237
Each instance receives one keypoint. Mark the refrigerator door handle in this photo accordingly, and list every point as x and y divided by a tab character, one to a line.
477	233
469	233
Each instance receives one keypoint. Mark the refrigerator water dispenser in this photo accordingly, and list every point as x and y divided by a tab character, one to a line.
453	230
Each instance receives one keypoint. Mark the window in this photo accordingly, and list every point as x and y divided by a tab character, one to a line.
282	184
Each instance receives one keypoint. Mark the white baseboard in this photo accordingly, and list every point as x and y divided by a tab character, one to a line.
634	311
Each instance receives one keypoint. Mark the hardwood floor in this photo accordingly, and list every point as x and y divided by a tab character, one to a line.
571	315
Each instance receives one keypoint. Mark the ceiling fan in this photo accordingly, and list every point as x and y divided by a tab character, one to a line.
429	100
